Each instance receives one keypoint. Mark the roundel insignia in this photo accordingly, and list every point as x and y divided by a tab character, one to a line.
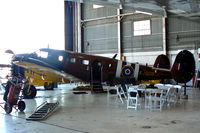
127	71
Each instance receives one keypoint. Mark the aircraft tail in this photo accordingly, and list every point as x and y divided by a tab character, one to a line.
183	68
162	61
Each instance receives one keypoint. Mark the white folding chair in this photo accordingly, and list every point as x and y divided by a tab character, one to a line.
154	99
172	96
158	85
179	90
122	92
114	92
133	100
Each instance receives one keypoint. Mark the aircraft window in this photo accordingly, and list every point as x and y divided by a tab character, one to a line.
85	62
72	60
110	65
42	54
60	58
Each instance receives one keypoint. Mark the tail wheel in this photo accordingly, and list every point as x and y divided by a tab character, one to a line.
8	107
30	93
21	105
48	86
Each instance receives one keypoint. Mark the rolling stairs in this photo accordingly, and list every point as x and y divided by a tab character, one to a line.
97	86
43	111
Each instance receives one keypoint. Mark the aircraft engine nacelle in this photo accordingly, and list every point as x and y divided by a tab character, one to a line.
183	68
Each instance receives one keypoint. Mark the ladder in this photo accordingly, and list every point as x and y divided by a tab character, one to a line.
44	110
97	86
197	79
96	80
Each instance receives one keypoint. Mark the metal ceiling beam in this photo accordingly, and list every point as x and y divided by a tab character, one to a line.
190	8
121	4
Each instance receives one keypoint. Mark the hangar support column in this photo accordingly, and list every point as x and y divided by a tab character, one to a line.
164	32
119	34
77	28
79	49
69	24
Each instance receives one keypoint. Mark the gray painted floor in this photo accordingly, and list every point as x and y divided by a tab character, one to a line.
95	113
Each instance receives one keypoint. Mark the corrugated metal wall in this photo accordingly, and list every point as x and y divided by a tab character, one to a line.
101	35
183	34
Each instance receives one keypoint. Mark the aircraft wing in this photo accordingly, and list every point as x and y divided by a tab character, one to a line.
44	69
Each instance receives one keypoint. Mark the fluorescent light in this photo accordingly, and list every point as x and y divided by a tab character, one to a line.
147	13
97	6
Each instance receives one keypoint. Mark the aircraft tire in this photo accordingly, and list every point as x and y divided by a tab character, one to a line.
8	107
21	106
48	86
31	94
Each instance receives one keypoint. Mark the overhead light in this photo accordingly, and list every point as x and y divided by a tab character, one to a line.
120	6
177	11
97	6
147	13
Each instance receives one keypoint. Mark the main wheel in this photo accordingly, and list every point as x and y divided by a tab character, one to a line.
21	105
48	86
8	107
29	93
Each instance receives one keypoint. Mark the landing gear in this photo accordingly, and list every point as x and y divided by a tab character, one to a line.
185	96
48	86
21	106
29	92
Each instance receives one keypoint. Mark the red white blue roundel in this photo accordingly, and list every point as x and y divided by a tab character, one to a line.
127	71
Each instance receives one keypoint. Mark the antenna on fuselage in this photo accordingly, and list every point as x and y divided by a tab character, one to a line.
114	56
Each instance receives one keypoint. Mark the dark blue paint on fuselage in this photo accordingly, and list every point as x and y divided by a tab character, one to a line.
51	61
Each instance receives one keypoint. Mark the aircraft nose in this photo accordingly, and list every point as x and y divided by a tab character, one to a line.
18	58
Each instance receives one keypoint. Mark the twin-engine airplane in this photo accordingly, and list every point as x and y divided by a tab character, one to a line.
71	66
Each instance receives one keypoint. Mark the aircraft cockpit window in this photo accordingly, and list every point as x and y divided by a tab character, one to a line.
72	60
60	58
42	54
85	62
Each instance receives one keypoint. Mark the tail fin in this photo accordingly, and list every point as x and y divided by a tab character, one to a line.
183	68
162	61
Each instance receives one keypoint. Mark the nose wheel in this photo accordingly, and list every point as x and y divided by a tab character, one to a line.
21	106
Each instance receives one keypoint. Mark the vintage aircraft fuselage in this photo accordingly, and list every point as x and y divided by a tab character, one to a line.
78	66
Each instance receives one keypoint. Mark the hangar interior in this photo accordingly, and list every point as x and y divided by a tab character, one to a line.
169	30
137	31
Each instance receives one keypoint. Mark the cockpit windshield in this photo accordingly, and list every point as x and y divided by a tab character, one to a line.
42	54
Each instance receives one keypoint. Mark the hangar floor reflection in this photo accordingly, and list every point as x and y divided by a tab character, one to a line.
96	114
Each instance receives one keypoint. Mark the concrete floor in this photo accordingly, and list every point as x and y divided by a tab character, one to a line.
95	113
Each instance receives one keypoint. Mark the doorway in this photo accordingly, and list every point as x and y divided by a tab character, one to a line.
96	71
